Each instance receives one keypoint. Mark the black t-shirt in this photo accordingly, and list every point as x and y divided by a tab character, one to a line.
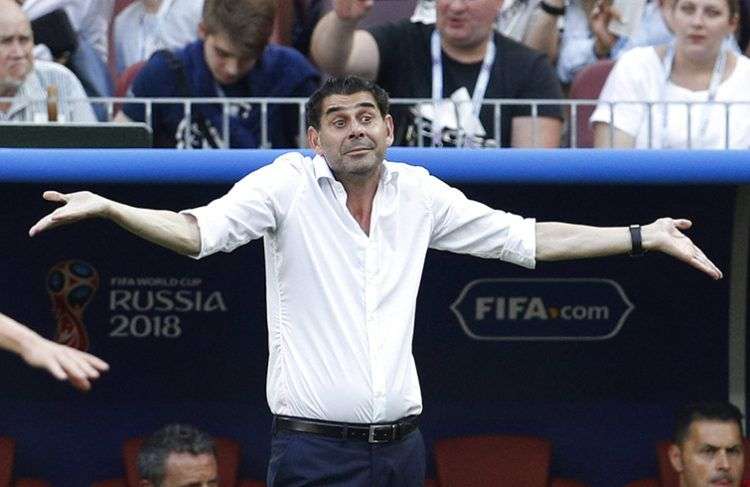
406	72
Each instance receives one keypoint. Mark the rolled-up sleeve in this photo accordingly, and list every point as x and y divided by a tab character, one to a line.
253	208
465	226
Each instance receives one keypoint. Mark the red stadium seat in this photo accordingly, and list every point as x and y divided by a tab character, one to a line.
122	85
479	461
644	483
587	85
7	453
7	458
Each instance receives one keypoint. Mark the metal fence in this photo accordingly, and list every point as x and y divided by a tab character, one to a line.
572	110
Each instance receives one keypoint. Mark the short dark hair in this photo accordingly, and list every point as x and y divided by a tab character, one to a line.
247	23
173	438
704	411
345	85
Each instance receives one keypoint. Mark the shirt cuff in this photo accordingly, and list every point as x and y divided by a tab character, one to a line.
520	248
201	217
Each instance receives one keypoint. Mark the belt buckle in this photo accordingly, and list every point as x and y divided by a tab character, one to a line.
374	428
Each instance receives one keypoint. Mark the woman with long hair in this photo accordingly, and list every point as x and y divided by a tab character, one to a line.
687	94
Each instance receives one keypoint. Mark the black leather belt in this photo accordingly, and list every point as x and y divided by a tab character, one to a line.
371	433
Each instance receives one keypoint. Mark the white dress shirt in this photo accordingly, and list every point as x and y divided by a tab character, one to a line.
138	33
341	303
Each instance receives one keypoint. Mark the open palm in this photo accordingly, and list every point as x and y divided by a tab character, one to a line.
76	206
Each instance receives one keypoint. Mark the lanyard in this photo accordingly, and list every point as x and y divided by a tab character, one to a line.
437	82
713	86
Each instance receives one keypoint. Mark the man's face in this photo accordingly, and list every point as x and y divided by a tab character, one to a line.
227	63
353	134
711	455
16	46
186	470
466	23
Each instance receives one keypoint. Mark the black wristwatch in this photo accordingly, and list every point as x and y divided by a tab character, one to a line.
555	11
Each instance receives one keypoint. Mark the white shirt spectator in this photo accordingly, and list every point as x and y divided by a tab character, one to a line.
90	18
138	33
34	87
341	303
639	76
512	20
577	42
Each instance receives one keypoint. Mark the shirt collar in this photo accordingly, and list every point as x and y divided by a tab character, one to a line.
29	89
323	171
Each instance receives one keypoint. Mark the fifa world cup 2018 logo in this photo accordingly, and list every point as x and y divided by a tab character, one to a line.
71	286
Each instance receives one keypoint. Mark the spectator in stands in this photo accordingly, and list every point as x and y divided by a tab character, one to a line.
699	67
707	447
588	35
460	58
147	26
231	59
90	20
178	455
295	21
531	22
63	362
27	81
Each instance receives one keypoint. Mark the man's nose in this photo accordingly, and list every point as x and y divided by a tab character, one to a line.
722	461
231	66
17	49
357	130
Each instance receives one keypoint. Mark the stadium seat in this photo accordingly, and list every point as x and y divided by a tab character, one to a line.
122	85
7	459
227	459
644	483
587	85
519	461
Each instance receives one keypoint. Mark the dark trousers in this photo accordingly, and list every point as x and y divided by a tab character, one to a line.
304	459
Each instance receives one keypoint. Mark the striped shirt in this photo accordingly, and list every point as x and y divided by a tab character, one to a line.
30	101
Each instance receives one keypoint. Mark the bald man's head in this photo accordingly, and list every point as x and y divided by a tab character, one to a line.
16	47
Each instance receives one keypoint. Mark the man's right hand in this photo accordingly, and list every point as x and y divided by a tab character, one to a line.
352	10
76	206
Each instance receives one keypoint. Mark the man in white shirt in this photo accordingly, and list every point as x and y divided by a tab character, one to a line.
25	81
147	26
90	19
345	238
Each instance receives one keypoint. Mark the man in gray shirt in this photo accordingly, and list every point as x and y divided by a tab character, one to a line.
24	82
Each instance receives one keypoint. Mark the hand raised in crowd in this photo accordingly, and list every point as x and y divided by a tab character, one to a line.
63	362
354	10
665	235
76	206
601	15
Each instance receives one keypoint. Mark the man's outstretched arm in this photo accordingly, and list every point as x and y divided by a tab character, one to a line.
166	228
63	362
561	241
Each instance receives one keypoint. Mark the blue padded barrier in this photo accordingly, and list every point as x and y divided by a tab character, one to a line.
563	166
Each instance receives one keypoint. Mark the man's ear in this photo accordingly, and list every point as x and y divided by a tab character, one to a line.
675	458
389	126
201	31
313	140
